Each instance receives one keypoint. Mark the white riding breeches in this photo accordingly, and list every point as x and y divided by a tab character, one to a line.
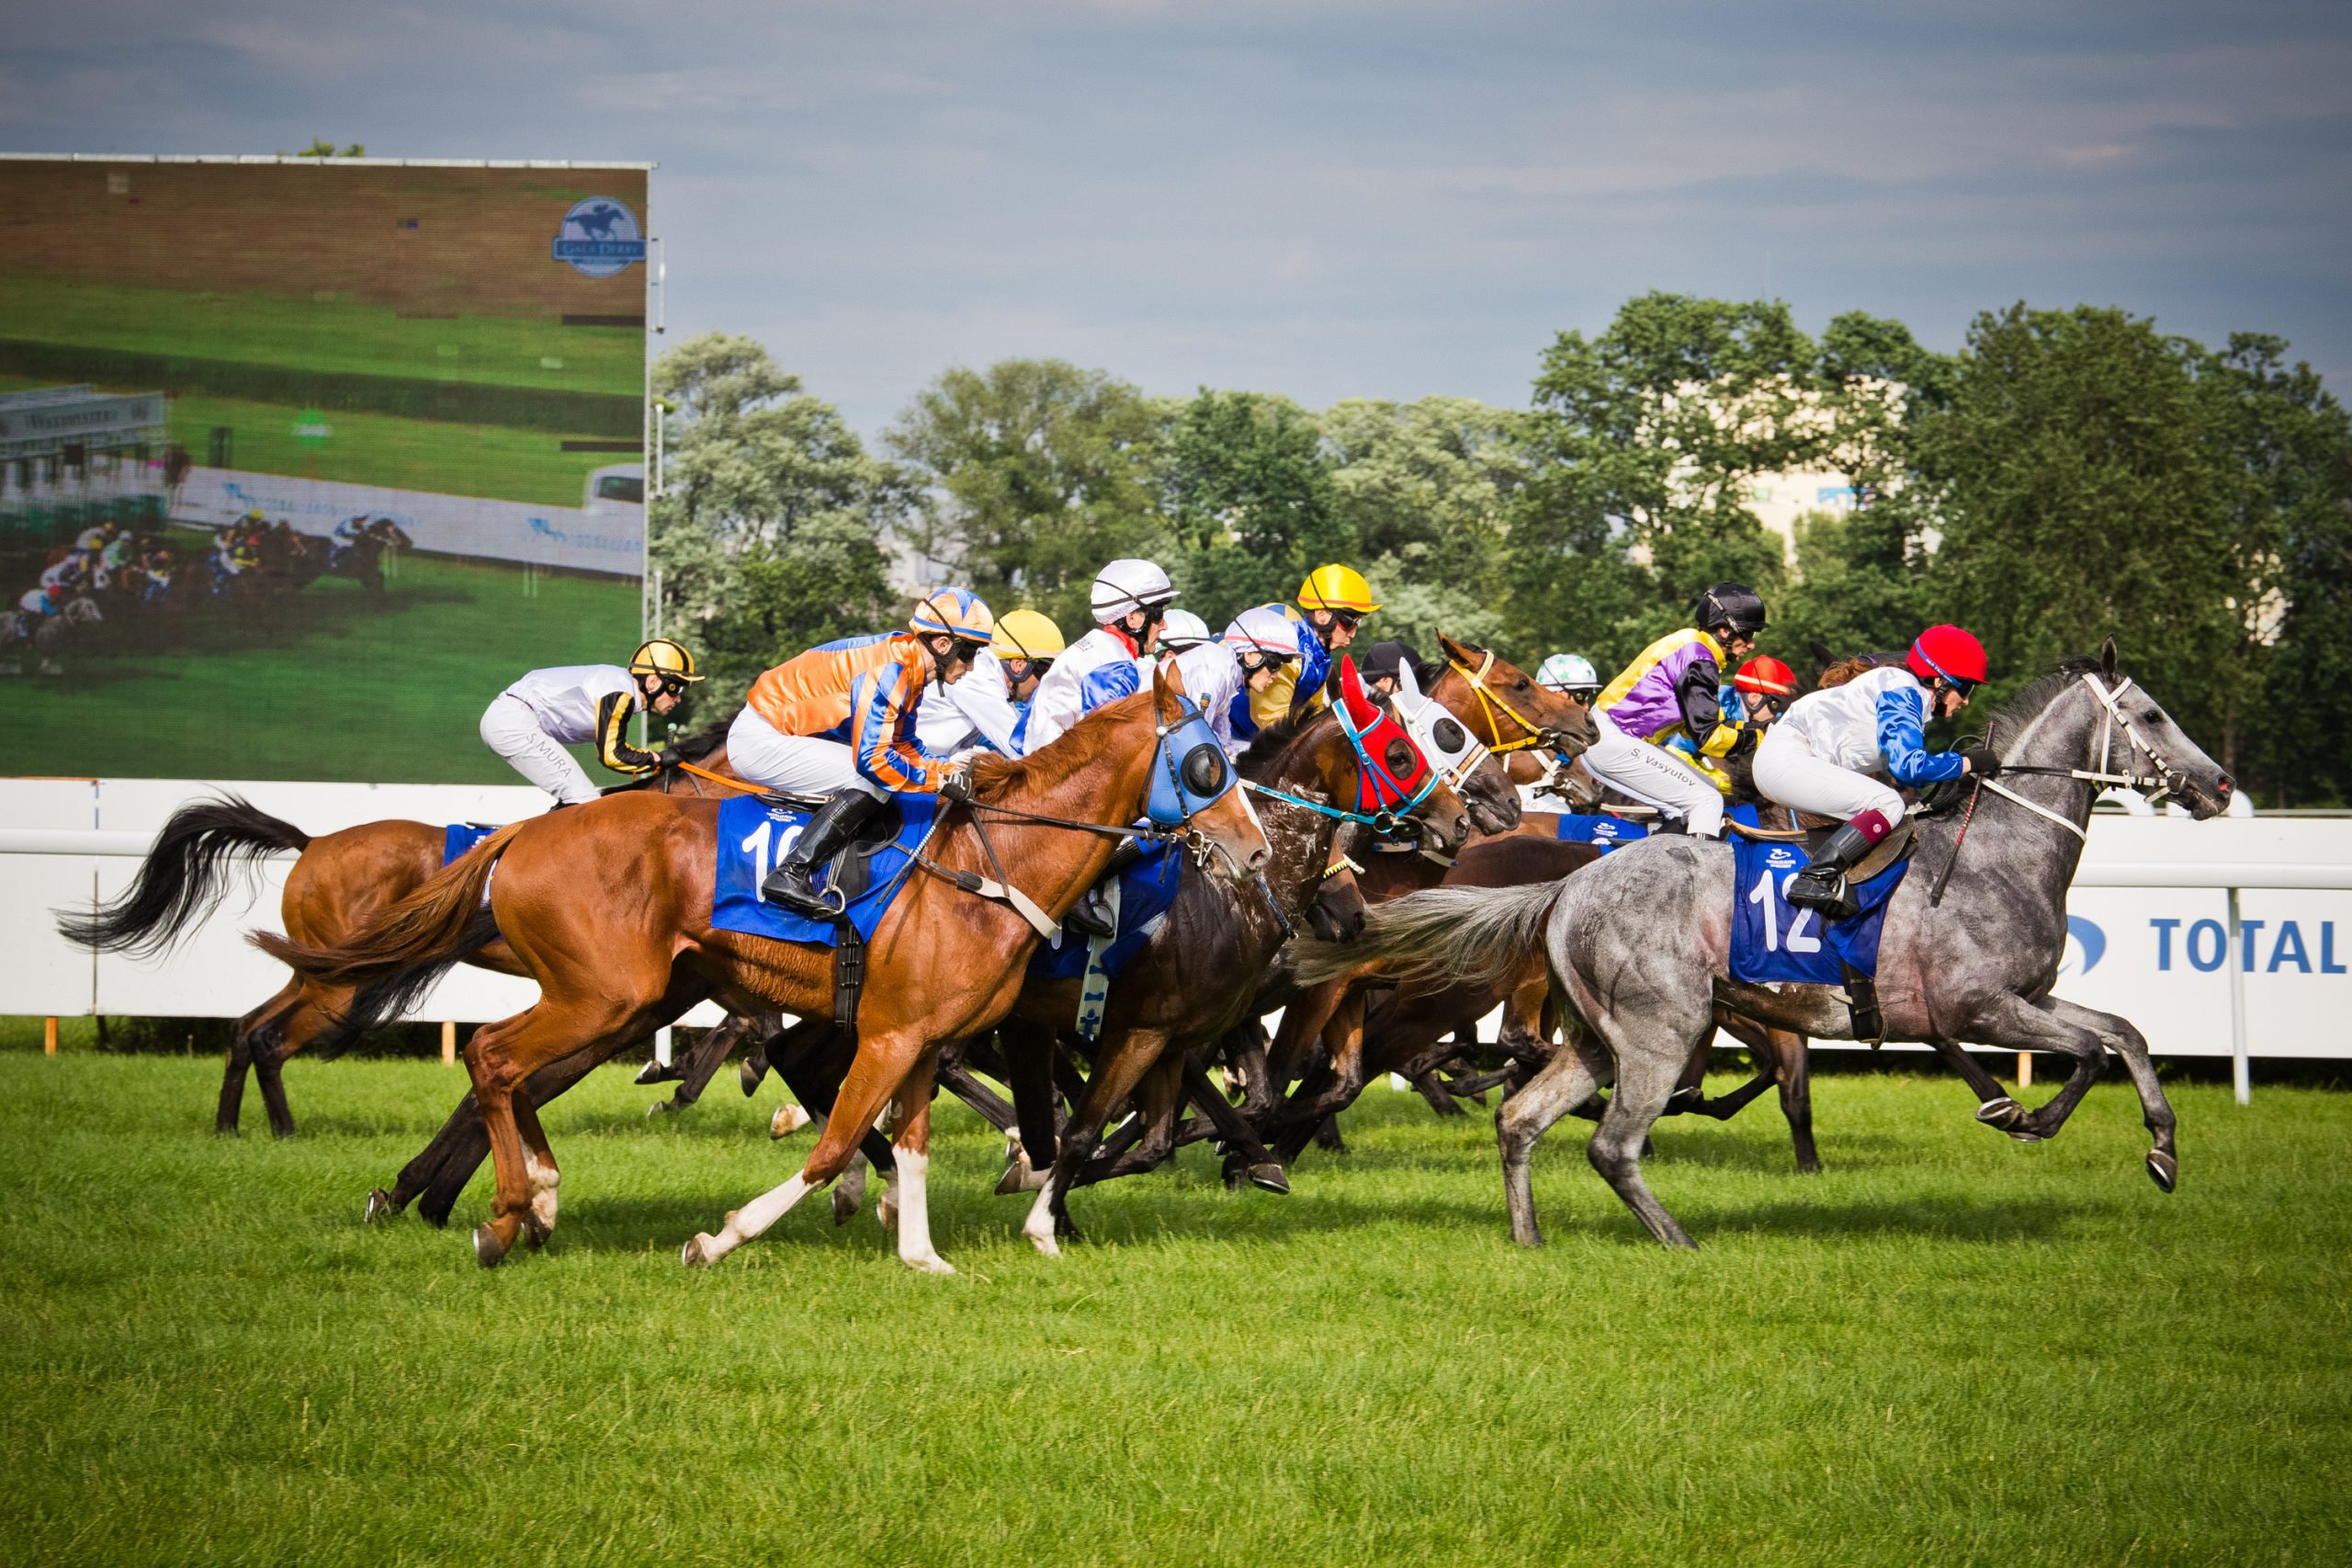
1788	770
804	764
1655	776
510	729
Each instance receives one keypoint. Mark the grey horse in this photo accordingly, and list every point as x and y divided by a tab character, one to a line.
1638	944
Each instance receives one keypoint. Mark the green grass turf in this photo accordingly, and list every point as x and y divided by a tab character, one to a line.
336	334
1949	1349
492	461
331	689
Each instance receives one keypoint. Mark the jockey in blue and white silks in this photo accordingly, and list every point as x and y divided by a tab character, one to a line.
1109	662
1211	673
1822	756
1266	642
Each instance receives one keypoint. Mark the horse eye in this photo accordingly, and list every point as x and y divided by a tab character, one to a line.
1449	737
1400	757
1204	770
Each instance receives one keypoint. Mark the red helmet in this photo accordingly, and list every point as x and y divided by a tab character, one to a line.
1949	652
1767	677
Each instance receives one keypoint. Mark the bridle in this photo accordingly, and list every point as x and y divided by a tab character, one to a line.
1490	701
1390	820
2155	787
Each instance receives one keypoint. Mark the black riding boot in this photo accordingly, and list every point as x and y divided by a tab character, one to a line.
1088	916
1822	884
833	826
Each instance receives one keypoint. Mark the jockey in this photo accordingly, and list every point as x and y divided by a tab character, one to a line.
1130	597
1820	758
1332	602
1026	644
840	721
532	721
1211	671
1265	642
1384	666
1673	682
60	582
1750	700
1571	673
346	536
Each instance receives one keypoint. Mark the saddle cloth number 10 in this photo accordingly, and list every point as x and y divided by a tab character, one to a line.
756	846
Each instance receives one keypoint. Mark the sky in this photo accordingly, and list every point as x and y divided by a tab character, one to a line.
1322	199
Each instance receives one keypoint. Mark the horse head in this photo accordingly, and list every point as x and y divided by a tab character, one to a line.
2095	724
390	534
1505	708
1481	778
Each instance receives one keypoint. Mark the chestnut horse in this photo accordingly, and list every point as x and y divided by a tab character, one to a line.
608	906
341	881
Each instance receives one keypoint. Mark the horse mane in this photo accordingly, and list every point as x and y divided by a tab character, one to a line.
708	739
1266	747
1845	670
2037	695
1044	768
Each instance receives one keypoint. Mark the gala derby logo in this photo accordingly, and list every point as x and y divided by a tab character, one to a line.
599	237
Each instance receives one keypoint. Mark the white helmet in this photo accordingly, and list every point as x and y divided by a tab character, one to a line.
1265	629
1568	672
1125	586
1181	628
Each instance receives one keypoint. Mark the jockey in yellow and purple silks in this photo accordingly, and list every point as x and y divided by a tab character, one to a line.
1673	683
840	721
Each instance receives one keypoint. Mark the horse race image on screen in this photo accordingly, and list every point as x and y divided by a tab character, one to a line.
302	461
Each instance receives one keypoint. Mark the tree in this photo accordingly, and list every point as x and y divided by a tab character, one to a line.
2087	483
1422	493
1037	473
771	535
1248	498
320	147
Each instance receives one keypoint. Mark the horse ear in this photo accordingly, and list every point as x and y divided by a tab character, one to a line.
1168	689
1823	656
1460	653
2107	658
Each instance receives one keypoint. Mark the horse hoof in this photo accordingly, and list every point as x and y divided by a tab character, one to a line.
788	1118
696	1253
2162	1169
1010	1182
2025	1134
886	1213
929	1263
1269	1178
653	1072
749	1077
1681	1101
656	1109
379	1207
487	1251
1046	1245
2000	1112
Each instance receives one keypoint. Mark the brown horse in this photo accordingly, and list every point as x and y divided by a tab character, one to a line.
341	881
608	908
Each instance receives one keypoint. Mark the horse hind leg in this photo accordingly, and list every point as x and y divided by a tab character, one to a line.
1565	1082
1650	1060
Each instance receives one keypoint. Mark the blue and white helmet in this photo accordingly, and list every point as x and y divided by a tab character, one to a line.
1568	672
1264	629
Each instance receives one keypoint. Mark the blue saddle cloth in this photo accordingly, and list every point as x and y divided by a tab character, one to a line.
1774	939
1603	833
459	837
751	836
1147	892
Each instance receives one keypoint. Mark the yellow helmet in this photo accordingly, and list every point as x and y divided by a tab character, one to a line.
666	659
1336	587
1025	633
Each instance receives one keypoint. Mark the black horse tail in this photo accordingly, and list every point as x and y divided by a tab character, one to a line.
184	877
392	964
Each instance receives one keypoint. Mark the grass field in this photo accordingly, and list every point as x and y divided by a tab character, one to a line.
495	462
1949	1349
331	689
334	333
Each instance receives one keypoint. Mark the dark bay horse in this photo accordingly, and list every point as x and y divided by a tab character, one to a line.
607	906
340	883
1637	946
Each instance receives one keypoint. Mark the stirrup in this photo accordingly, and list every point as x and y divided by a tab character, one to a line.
1085	919
1837	903
799	893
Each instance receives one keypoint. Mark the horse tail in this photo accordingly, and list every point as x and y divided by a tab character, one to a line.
1442	936
184	877
393	961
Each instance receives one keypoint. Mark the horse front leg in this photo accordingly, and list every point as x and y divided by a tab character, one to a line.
913	1108
1120	1064
2119	1036
2013	1024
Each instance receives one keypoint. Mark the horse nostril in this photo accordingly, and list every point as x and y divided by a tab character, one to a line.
2227	785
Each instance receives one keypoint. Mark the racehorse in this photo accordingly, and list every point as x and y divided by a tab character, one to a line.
363	561
340	882
1637	947
47	637
608	906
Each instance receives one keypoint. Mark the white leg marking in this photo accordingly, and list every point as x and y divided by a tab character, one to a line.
789	1119
913	1204
544	1179
746	1222
1039	1226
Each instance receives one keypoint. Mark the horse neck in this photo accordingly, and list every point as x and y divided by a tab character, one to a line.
2058	737
1485	719
1054	865
1300	838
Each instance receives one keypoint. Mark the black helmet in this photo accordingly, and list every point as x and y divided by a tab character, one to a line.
1732	605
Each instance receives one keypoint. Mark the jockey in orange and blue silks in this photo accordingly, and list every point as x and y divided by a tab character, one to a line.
840	721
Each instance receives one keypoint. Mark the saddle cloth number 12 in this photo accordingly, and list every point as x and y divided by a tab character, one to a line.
1799	938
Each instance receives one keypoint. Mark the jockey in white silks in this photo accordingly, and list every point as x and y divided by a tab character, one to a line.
1822	756
531	722
1211	671
1129	599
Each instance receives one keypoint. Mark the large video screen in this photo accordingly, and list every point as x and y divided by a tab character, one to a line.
302	462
